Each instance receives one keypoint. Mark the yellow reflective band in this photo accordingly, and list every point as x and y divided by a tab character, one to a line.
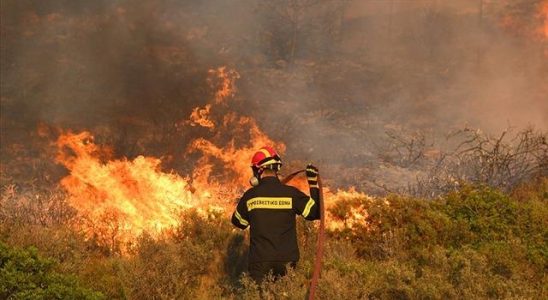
265	152
270	162
270	203
314	186
240	219
312	171
308	206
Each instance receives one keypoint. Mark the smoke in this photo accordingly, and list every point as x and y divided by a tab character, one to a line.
328	78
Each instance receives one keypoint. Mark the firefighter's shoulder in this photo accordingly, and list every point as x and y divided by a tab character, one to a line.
250	193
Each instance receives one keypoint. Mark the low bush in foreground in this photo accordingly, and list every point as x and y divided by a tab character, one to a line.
475	243
26	275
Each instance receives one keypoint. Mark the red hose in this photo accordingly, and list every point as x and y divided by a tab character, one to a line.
291	176
319	247
321	238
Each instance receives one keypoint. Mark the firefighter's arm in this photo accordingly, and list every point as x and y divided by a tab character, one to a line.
306	206
312	178
309	207
240	217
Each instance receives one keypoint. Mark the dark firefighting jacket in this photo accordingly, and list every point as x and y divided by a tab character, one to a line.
269	210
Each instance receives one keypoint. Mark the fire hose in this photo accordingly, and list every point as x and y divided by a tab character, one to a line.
321	237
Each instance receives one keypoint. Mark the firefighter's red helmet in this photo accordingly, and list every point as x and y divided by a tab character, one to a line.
266	156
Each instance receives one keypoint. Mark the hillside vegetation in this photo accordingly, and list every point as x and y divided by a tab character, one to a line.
474	243
435	109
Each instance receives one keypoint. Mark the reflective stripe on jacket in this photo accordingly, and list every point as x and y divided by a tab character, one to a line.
269	209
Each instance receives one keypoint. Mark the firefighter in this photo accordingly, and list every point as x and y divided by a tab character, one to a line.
269	209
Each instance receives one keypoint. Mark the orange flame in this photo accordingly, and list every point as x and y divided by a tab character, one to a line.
121	198
136	192
236	160
356	214
543	14
224	81
200	116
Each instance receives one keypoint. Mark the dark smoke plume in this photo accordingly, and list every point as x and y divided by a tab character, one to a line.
329	78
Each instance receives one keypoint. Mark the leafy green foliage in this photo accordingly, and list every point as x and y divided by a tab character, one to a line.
26	275
477	242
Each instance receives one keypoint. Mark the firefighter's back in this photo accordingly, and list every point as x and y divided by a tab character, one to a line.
271	216
269	209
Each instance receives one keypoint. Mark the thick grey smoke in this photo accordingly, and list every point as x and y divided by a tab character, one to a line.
328	78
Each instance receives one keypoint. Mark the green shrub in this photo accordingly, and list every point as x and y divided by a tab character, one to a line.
26	275
478	242
481	215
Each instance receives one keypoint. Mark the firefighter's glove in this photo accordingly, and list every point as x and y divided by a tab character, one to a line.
312	176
